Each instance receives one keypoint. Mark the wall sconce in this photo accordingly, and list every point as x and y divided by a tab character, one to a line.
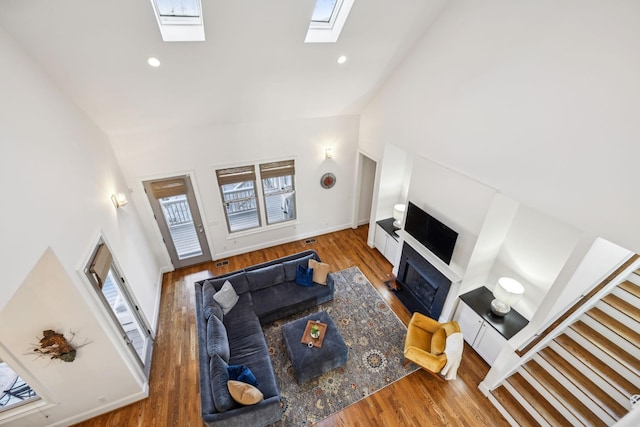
398	214
328	153
507	292
119	200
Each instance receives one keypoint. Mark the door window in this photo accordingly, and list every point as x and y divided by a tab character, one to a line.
116	295
175	209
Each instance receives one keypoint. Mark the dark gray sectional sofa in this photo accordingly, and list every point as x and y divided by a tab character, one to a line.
267	292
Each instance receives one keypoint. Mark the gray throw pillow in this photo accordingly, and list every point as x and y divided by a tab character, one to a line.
217	339
226	297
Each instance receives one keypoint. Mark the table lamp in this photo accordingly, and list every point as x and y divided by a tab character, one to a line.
507	292
398	214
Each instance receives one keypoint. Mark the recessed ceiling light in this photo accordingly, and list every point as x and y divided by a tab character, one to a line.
342	59
154	62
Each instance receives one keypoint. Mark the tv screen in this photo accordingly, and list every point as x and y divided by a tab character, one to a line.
430	232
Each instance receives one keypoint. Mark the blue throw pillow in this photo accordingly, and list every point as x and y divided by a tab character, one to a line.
304	276
243	374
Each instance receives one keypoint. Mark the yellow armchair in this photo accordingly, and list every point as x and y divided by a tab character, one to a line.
426	340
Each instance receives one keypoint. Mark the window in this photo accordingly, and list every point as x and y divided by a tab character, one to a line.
240	194
323	11
329	16
278	191
179	20
238	189
14	391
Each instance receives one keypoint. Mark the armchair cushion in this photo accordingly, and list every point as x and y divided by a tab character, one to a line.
438	340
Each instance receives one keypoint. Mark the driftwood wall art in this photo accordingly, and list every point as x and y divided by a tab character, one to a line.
56	346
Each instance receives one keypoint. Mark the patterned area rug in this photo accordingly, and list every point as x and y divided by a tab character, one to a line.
375	338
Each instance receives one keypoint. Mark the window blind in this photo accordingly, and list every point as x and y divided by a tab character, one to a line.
276	169
168	188
235	175
101	264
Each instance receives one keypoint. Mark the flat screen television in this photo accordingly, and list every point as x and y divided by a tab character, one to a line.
430	232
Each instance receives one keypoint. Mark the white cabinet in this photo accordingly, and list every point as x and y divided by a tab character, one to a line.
386	244
479	334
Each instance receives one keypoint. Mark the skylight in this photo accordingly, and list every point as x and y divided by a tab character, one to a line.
327	20
324	10
179	20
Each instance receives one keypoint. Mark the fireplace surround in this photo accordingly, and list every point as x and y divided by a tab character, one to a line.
423	288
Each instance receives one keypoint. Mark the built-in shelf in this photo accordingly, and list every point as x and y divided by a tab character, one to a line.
479	300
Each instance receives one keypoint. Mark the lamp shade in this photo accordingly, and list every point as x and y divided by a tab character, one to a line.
398	214
508	291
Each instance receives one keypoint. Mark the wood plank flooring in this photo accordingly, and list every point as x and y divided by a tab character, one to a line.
419	399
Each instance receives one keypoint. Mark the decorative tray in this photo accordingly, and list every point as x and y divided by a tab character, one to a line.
308	339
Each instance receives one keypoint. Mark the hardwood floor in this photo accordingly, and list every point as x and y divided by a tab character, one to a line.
419	399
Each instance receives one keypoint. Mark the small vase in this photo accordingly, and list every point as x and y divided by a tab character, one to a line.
315	334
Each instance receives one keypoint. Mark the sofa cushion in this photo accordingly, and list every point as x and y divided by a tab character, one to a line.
209	305
219	376
320	271
304	276
226	297
290	267
243	393
438	341
217	340
265	277
238	280
287	298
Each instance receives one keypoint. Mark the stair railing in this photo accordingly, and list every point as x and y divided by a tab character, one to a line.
568	317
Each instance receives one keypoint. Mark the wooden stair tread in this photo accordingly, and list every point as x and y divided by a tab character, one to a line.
584	383
553	386
626	387
533	396
630	287
514	408
616	326
623	306
605	344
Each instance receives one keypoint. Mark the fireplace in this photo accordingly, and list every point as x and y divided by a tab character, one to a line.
423	287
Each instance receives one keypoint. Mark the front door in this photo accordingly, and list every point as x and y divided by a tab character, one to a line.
178	217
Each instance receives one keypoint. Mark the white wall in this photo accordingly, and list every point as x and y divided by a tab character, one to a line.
534	251
59	172
199	151
457	201
393	180
535	99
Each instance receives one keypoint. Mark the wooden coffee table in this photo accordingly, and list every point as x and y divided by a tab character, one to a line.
311	361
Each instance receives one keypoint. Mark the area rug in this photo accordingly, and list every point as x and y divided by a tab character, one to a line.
375	338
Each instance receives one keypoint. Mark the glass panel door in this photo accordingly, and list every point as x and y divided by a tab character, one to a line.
114	292
123	310
175	209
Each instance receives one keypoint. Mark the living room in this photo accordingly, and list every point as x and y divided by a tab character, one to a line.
533	103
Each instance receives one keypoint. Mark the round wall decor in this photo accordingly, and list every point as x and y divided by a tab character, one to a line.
328	180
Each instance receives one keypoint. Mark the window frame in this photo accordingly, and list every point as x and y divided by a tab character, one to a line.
255	171
279	169
238	175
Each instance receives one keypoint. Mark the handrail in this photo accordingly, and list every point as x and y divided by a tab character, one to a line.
578	304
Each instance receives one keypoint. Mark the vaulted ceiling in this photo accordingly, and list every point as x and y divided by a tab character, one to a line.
253	66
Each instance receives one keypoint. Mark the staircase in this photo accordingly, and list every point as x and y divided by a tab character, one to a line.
585	376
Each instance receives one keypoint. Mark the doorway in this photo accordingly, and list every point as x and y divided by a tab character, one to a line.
176	211
114	292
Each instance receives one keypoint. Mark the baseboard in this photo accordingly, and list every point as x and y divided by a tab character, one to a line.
271	243
143	394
